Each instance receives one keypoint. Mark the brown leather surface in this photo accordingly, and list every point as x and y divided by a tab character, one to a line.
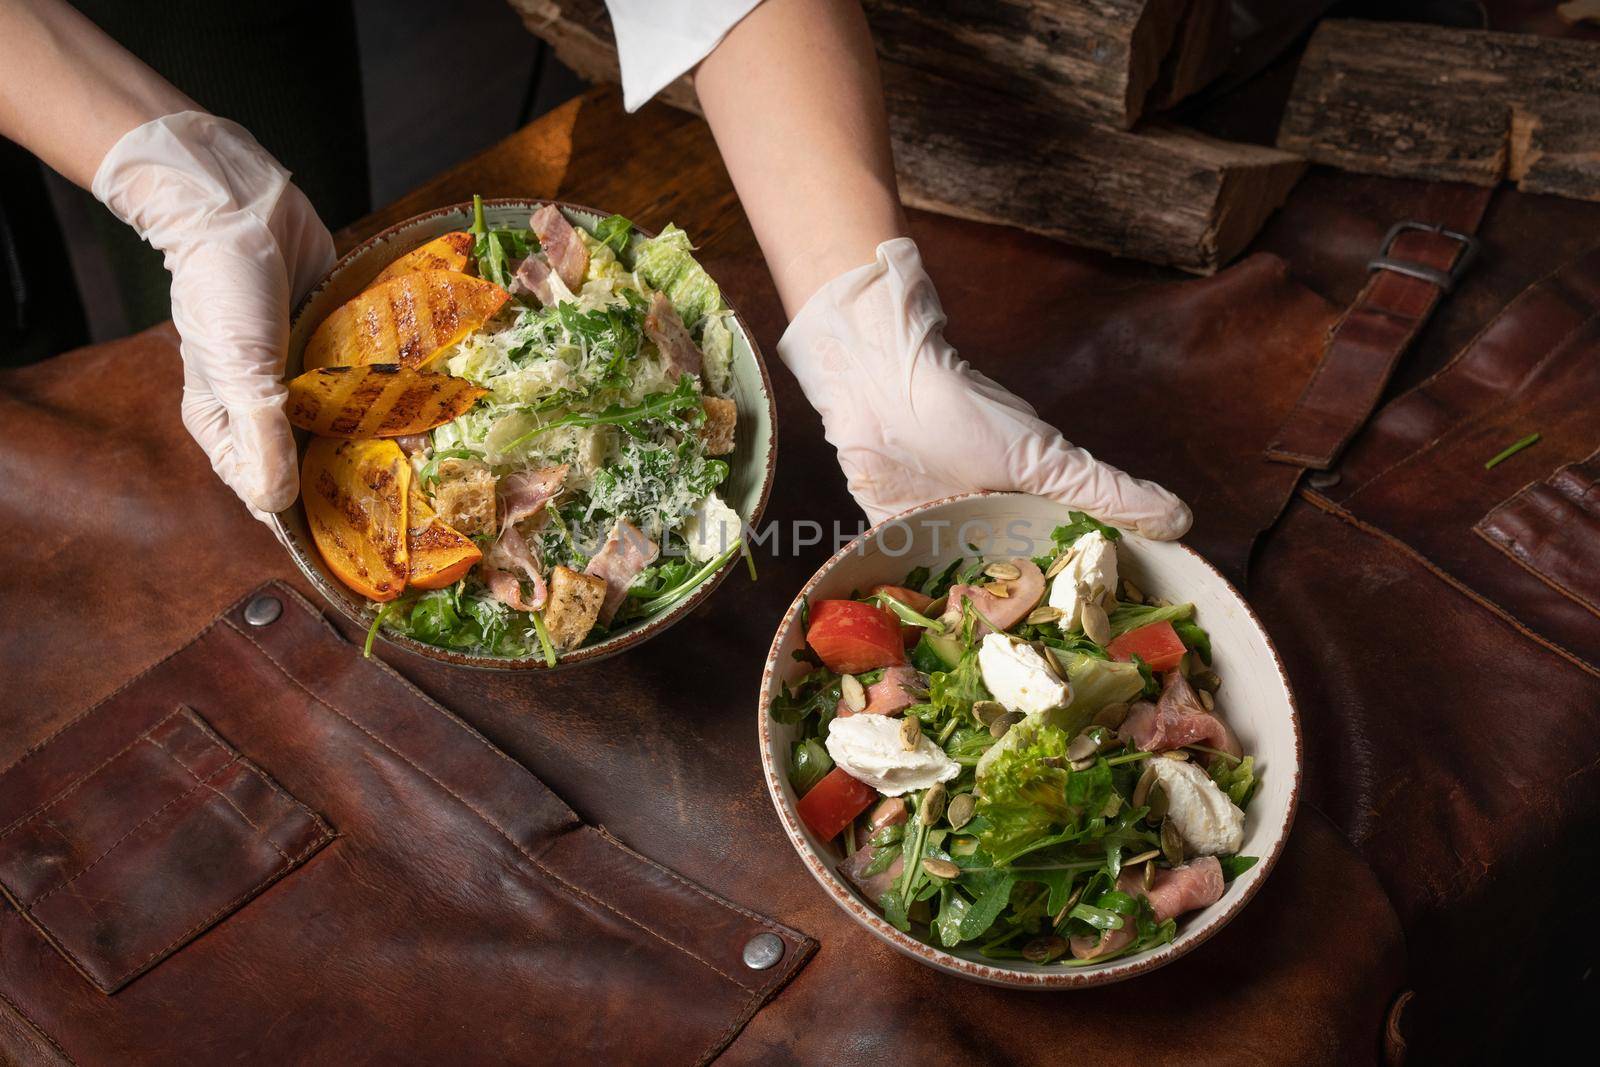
1553	529
123	543
1378	327
462	906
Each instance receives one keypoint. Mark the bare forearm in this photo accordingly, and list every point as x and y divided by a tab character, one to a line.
67	91
795	101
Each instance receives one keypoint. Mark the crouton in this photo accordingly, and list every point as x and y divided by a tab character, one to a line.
717	430
573	607
464	496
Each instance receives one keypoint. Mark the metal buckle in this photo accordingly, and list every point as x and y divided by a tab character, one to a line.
1445	280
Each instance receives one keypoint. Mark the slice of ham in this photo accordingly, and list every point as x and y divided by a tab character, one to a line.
561	245
506	565
891	694
525	493
627	551
535	276
663	326
1005	612
412	443
1197	884
1176	719
890	811
873	887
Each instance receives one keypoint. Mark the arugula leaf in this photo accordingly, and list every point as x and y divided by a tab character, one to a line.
808	765
815	693
1079	523
953	692
1151	686
614	232
661	407
893	906
1234	866
937	585
1194	636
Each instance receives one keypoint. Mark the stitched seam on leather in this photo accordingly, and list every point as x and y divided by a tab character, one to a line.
737	1023
1461	419
116	844
575	890
703	891
289	863
124	750
36	1028
1323	503
86	712
223	797
433	705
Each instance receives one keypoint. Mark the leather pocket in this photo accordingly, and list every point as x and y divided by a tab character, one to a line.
119	859
1552	528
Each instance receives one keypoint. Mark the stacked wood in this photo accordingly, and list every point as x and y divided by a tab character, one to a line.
1450	105
982	127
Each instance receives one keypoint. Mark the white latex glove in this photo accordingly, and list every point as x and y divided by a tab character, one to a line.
243	245
913	422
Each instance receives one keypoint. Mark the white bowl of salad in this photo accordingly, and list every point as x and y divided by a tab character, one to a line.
532	434
1025	747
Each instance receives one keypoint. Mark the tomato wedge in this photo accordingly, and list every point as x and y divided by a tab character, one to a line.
852	637
1157	644
830	805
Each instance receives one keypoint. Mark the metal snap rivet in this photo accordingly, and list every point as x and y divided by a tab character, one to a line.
262	610
762	951
1323	479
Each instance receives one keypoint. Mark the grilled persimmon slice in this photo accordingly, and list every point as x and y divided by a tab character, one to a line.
439	553
408	320
449	252
377	400
356	496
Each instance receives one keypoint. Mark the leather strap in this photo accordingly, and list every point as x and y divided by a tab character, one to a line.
1419	263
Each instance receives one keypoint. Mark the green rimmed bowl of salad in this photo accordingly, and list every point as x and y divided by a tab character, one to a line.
620	435
1027	748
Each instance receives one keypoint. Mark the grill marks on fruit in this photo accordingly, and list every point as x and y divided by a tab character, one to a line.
357	512
377	400
408	319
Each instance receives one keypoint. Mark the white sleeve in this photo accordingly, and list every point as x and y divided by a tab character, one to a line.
657	40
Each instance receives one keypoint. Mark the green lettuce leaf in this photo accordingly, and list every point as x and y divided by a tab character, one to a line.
1132	616
1022	789
667	263
1095	683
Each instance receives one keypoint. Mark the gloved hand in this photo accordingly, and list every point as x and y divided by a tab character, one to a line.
913	422
243	245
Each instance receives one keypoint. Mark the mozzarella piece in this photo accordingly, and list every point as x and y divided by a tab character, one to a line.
712	529
1209	823
1018	676
868	748
1094	564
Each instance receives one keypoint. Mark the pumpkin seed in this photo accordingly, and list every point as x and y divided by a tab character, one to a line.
1050	661
936	608
910	732
1072	902
1083	747
987	711
1207	701
1044	949
960	811
1060	563
1096	627
1001	726
1131	592
1040	616
999	589
1171	843
1208	680
1178	754
1134	861
1082	764
941	868
855	697
1141	791
1111	716
1149	876
1006	572
932	804
1158	802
